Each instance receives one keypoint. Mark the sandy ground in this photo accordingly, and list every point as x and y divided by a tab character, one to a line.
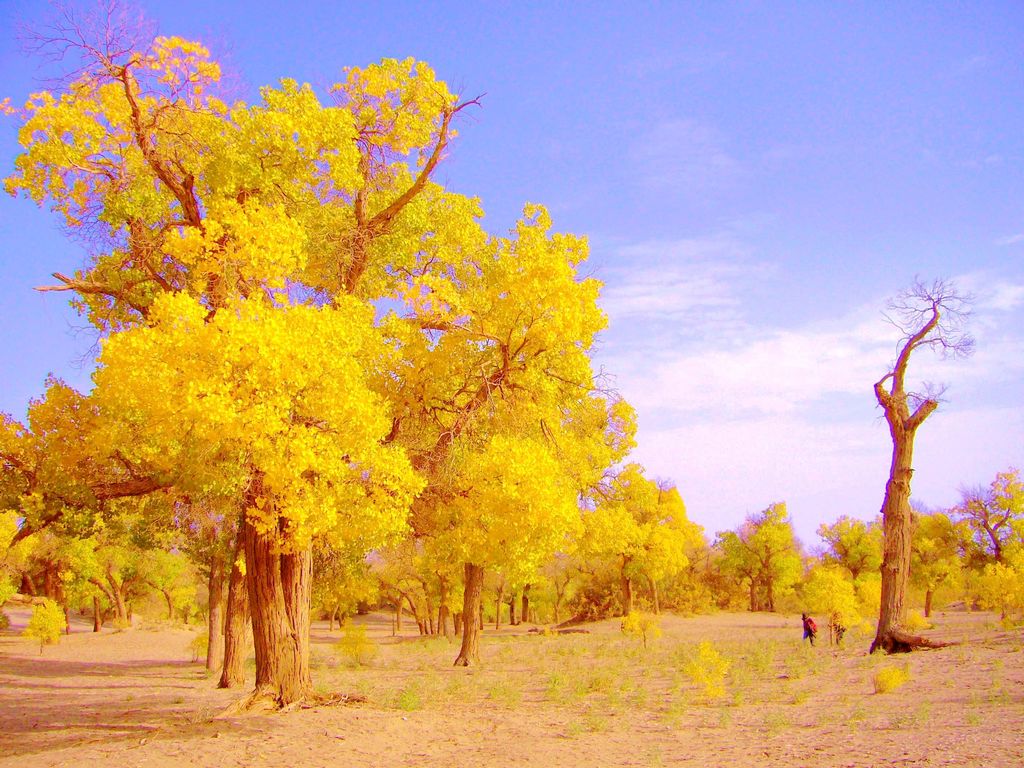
134	698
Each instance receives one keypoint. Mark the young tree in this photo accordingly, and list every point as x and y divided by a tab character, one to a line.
853	544
990	514
763	551
934	554
928	316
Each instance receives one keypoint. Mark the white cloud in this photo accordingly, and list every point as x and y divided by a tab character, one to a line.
741	415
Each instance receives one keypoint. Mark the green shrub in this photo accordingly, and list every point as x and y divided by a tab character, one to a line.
46	624
890	678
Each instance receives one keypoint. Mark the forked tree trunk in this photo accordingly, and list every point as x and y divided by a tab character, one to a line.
215	615
469	653
233	673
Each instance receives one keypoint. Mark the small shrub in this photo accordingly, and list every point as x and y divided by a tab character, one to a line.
408	699
46	624
199	645
915	622
707	669
355	645
890	678
643	625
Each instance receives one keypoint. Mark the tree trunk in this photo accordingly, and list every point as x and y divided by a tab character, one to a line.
457	623
334	614
444	613
215	615
524	614
627	595
753	595
469	653
97	615
28	587
512	610
500	601
117	598
398	615
233	673
928	603
897	529
654	595
279	598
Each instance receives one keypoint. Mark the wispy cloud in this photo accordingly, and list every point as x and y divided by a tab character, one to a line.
1011	239
683	156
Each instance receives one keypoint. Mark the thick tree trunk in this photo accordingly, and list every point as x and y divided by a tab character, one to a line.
97	615
279	598
512	610
524	614
28	587
469	653
897	529
215	615
233	673
929	593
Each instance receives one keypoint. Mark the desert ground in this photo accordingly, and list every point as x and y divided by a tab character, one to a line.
135	698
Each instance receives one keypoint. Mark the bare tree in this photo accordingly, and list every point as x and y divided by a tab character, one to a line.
928	315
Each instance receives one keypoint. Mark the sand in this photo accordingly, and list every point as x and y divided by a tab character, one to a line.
135	698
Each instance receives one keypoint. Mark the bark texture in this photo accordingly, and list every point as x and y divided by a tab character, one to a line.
279	599
215	616
469	653
237	618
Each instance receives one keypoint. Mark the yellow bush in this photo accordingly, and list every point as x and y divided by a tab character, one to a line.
890	678
199	645
643	625
46	624
707	668
355	645
915	622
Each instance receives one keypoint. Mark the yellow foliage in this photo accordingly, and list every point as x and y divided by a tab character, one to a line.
646	626
355	645
916	622
707	669
46	624
890	678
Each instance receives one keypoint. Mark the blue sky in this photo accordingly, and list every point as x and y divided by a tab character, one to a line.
755	179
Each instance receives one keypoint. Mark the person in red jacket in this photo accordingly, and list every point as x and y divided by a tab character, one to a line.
810	628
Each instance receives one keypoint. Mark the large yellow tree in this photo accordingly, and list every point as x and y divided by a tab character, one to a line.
245	253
